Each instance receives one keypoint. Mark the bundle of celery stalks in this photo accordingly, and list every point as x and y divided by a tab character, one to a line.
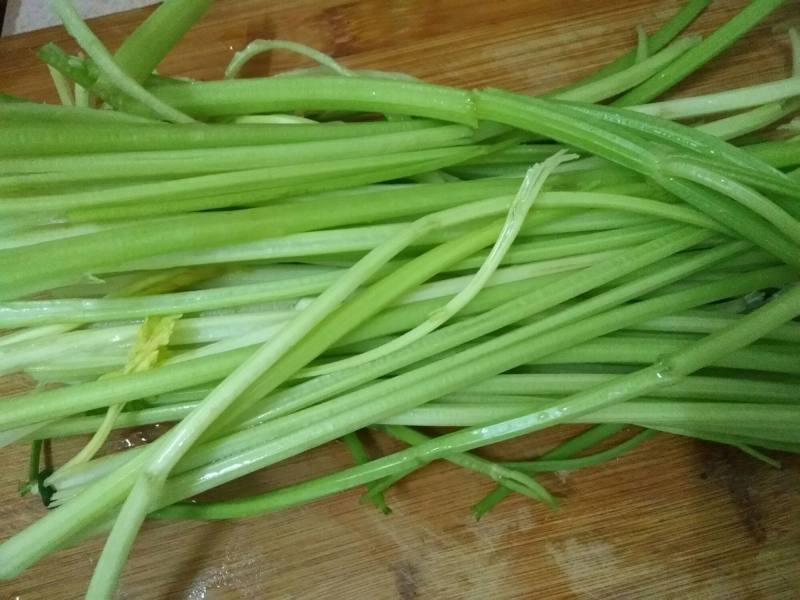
270	264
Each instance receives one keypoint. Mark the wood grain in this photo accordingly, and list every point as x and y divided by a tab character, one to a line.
675	518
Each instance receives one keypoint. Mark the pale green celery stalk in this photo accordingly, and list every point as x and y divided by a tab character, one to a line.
428	382
402	317
62	87
784	188
719	102
729	389
550	247
118	80
39	406
505	475
149	483
570	124
304	244
415	316
749	121
636	349
43	131
143	49
612	85
741	221
34	114
299	245
27	335
46	234
523	154
665	34
328	178
646	412
677	135
229	183
31	269
152	163
759	204
47	351
256	47
565	450
288	94
528	193
515	273
621	202
704	322
696	57
554	120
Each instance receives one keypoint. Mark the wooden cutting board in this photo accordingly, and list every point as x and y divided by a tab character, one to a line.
675	518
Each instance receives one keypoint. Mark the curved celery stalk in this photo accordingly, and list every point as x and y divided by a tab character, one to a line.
256	47
286	94
602	89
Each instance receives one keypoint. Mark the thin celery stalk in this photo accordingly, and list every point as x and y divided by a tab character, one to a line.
692	60
718	102
153	162
665	34
749	121
612	85
31	132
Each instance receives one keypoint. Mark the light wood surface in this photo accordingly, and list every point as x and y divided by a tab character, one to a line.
675	518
